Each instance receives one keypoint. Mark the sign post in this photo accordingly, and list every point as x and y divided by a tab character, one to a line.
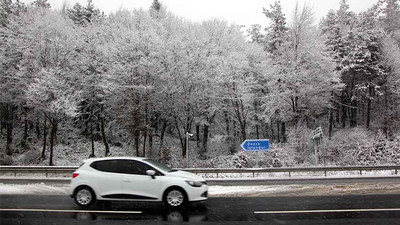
317	136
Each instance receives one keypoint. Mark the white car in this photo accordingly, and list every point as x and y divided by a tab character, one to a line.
134	179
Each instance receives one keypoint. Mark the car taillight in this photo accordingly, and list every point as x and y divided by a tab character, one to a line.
75	175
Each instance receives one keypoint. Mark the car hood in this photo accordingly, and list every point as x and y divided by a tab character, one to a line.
186	175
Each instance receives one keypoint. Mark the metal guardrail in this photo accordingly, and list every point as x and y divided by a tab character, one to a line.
291	170
37	170
233	181
49	170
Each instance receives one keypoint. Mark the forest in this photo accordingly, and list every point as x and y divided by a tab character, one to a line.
77	83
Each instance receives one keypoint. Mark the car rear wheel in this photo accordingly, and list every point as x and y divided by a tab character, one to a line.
175	198
85	197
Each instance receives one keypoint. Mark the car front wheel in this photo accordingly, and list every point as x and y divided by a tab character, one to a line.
175	198
84	197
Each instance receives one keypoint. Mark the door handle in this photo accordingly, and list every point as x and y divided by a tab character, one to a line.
127	181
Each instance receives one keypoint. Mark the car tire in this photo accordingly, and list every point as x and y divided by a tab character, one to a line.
84	197
175	197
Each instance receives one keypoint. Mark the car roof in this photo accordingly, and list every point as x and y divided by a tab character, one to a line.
116	157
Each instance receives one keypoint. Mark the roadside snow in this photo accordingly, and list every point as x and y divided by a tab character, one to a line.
246	190
33	189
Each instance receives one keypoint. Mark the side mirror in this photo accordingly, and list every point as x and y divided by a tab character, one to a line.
151	173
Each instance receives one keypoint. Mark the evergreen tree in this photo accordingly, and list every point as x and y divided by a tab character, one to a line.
76	14
156	6
41	3
255	35
277	30
83	15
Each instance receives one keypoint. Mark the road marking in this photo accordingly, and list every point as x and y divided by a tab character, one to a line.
326	211
71	211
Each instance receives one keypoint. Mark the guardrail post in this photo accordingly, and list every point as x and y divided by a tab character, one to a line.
217	175
253	174
395	171
325	172
290	174
360	172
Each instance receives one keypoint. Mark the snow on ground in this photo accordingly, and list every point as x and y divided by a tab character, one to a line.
246	190
234	191
33	189
304	190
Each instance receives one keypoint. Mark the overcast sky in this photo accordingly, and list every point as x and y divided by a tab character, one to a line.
240	12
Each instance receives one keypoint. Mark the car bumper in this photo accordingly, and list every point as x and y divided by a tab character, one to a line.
198	193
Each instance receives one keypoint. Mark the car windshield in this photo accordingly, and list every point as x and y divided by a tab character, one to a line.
160	166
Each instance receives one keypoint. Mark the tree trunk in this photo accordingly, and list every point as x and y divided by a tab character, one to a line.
265	130
2	120
86	127
37	128
144	143
205	139
10	126
272	129
233	149
386	119
257	131
277	128
44	138
243	131
182	139
163	129
137	136
227	123
344	115
103	135
256	121
283	132
91	141
369	107
337	116
353	109
54	124
353	115
228	132
330	122
151	145
25	135
198	134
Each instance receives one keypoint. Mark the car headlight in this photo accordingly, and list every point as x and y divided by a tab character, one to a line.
195	183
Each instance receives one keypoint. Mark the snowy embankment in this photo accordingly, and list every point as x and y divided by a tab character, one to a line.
233	191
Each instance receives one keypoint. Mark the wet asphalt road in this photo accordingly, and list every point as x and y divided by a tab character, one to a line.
43	210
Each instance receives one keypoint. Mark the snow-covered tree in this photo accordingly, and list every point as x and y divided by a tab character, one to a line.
277	30
47	67
82	15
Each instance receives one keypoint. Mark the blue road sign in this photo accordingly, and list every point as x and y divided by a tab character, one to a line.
255	145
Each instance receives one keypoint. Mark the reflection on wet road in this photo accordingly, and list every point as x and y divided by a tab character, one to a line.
42	210
149	212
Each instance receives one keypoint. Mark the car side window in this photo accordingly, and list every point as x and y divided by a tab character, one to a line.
110	166
135	167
